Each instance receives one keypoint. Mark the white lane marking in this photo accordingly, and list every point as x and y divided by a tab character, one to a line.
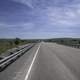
29	70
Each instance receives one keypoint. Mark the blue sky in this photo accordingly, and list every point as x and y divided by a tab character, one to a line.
39	18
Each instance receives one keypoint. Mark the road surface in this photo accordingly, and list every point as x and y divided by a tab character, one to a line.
45	61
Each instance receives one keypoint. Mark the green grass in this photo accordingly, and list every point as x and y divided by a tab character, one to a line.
65	41
6	44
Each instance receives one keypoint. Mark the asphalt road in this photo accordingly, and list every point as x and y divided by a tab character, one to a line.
45	61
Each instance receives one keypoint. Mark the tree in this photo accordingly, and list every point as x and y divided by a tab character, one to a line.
17	41
79	42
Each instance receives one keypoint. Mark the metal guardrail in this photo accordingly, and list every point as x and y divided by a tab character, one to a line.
12	57
72	45
75	45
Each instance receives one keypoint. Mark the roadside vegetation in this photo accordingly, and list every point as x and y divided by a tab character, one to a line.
6	44
65	41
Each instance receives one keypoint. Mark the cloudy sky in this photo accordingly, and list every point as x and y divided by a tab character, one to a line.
39	18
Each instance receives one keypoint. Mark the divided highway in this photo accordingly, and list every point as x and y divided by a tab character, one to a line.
45	61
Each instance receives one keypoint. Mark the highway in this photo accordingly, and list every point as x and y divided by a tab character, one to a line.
45	61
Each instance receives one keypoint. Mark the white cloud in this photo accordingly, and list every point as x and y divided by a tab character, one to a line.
57	19
21	26
64	17
26	2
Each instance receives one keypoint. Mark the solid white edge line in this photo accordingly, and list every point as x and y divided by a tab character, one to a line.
29	70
